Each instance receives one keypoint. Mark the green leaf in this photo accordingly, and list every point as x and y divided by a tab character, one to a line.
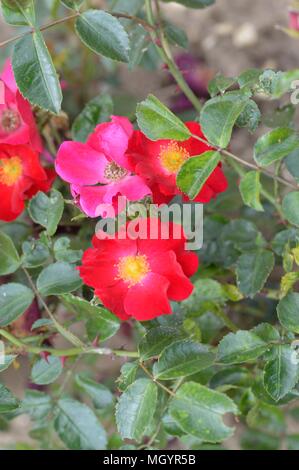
283	83
240	347
58	278
218	117
99	321
47	210
103	34
250	189
78	427
35	73
181	359
267	418
249	78
37	404
8	360
72	4
292	164
195	171
35	253
158	122
250	117
18	12
7	401
136	408
100	395
198	411
139	45
156	340
287	311
128	375
275	145
281	372
96	111
253	270
254	440
46	371
14	301
63	252
290	207
220	84
175	35
9	258
193	3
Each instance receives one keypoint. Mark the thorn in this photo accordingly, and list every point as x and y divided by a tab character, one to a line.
44	355
95	342
62	360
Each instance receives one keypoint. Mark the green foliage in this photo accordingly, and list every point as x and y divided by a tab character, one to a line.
35	73
158	122
198	411
97	110
195	172
275	145
14	300
181	359
9	258
78	427
58	278
218	117
136	408
46	371
103	34
250	189
231	347
47	210
252	271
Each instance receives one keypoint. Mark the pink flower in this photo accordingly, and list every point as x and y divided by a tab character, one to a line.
17	124
99	170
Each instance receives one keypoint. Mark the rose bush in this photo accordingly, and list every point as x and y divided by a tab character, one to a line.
168	339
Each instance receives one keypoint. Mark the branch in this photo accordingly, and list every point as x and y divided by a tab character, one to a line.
21	347
164	51
138	20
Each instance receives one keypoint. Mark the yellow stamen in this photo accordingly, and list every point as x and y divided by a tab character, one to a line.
172	157
10	170
132	269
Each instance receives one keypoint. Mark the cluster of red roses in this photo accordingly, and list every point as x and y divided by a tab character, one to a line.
21	173
132	277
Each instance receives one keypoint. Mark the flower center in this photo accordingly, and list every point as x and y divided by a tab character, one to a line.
10	170
114	172
132	269
172	157
10	120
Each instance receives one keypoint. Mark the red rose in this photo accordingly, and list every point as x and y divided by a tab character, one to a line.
158	162
137	278
21	176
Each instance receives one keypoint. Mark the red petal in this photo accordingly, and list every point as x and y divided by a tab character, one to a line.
148	299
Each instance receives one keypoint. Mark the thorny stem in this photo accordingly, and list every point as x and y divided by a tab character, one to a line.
21	347
163	49
138	20
226	320
166	389
67	334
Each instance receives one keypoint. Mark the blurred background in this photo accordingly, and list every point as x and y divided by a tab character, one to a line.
229	37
